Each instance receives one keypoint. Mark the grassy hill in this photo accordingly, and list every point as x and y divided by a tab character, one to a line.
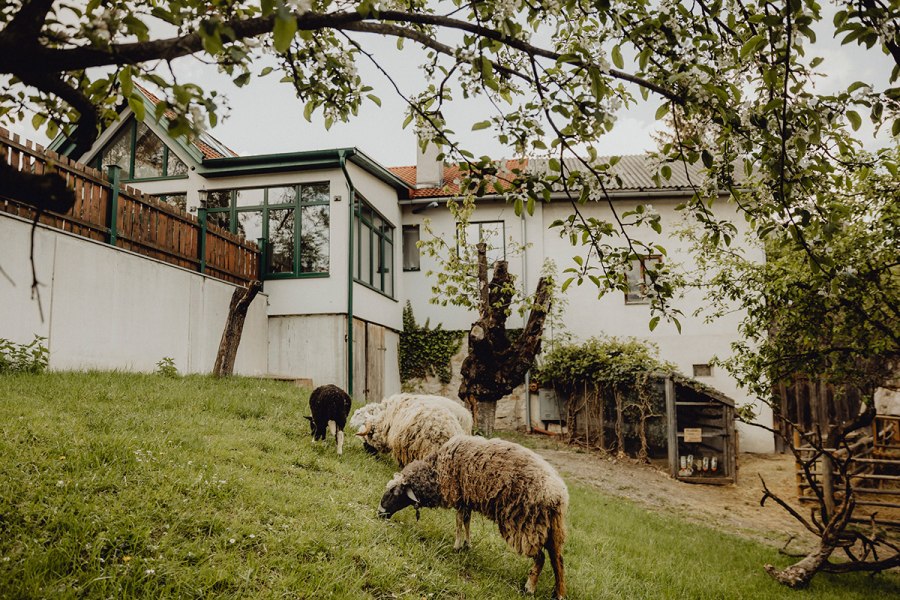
121	485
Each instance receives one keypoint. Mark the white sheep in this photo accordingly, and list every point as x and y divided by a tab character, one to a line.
462	414
506	482
410	426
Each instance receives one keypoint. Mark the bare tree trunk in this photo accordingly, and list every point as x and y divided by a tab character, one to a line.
487	411
234	327
493	366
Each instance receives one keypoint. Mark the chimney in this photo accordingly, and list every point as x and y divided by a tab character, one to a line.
429	170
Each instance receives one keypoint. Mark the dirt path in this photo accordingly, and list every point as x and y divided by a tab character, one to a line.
733	508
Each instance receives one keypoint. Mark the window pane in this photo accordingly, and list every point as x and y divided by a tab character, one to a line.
365	254
216	199
410	250
317	192
388	268
281	241
314	230
249	224
222	219
282	195
250	197
118	152
176	166
492	235
148	154
178	201
637	280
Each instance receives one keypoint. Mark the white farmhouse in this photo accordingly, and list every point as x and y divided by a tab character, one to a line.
340	261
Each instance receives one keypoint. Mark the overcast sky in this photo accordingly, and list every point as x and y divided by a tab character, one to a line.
266	117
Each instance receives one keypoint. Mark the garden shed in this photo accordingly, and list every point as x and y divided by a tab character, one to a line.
662	415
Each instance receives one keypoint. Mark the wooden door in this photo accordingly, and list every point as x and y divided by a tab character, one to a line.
375	351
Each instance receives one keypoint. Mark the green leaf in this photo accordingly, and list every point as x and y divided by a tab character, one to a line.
653	323
283	33
374	99
895	129
38	120
662	110
666	172
751	45
481	125
136	103
617	57
125	80
854	118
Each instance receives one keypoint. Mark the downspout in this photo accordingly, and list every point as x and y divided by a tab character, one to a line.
351	198
525	285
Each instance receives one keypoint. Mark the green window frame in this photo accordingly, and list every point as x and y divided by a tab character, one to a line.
298	214
171	167
374	265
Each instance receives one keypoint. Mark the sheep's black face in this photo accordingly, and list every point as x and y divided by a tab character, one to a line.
397	497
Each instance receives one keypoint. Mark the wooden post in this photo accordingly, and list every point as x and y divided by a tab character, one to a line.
672	426
234	327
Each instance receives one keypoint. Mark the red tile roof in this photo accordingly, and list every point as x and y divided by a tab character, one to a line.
452	177
208	146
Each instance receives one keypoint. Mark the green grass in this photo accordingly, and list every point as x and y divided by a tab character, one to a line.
120	485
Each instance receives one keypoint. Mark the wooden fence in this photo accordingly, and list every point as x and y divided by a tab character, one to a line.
874	473
139	223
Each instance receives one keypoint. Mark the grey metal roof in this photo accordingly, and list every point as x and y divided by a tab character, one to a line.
636	173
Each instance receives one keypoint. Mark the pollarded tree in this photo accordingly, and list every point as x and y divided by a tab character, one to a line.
495	364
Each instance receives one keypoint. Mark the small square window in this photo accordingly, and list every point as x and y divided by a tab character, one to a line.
705	370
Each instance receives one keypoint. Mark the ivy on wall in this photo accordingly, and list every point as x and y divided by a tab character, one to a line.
425	350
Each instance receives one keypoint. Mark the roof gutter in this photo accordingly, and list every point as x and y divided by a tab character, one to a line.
351	200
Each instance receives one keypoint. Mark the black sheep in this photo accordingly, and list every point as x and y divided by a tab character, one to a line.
329	406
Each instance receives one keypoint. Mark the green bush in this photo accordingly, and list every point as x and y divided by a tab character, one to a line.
599	362
23	358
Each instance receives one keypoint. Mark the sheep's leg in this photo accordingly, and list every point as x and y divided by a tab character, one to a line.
340	442
535	572
554	548
463	517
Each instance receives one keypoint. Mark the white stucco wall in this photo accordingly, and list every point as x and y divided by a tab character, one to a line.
107	308
586	315
309	346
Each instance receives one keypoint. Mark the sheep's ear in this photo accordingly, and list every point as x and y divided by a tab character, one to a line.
363	432
308	418
412	495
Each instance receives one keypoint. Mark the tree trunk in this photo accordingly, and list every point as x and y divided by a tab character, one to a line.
234	327
487	411
493	366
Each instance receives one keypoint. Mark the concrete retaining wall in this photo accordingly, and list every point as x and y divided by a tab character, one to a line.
106	308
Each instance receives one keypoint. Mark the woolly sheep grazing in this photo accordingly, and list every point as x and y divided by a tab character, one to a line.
329	406
507	483
363	414
410	426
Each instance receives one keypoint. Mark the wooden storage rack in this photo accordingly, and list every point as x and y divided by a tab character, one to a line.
692	406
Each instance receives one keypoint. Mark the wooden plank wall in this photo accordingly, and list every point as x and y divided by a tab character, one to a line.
144	225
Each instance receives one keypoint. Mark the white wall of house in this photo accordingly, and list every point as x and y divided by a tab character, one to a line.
107	308
587	316
417	285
